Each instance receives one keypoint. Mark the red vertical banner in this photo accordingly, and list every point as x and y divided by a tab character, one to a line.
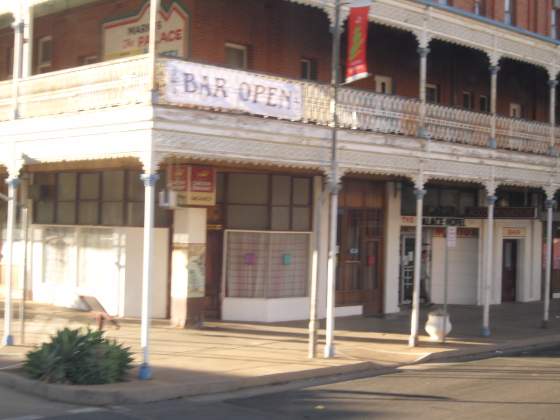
356	64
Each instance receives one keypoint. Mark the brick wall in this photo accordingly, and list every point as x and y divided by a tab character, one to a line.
279	33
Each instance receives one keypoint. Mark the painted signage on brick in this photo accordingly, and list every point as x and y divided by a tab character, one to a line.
130	36
200	85
516	232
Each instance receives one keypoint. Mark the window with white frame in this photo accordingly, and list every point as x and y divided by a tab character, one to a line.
509	12
383	84
432	93
236	56
467	100
483	104
515	110
45	54
308	69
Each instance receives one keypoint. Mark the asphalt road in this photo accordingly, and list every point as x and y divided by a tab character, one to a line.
524	387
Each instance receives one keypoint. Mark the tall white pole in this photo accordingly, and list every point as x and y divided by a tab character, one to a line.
488	278
149	180
18	26
549	208
333	185
494	69
152	47
415	315
27	50
13	183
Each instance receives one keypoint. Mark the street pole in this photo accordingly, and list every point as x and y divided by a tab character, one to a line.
312	348
333	184
549	208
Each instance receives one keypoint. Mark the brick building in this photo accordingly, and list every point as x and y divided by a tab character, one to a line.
82	124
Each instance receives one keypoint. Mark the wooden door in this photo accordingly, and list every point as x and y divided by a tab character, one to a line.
214	251
509	270
360	263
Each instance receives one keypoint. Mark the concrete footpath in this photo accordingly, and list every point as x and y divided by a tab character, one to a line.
228	357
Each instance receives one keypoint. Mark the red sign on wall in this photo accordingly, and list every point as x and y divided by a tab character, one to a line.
194	185
356	65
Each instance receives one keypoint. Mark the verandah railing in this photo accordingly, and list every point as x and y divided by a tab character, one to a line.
126	81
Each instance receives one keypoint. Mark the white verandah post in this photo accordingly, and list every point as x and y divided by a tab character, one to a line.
415	313
488	277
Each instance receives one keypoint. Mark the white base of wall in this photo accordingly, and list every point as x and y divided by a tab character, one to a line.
275	310
265	310
342	311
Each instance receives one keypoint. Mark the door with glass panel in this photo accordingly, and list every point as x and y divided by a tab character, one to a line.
360	264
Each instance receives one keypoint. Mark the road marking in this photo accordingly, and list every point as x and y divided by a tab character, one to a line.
26	418
85	410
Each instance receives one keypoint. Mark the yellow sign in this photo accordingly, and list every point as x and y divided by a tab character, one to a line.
520	232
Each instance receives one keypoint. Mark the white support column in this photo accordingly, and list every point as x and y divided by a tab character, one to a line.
423	51
415	314
549	208
494	69
27	54
488	278
315	252
152	47
18	26
552	84
329	350
13	183
149	178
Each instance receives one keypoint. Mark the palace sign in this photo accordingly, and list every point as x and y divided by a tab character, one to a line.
200	85
131	36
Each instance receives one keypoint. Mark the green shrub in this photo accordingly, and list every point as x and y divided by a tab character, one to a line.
79	357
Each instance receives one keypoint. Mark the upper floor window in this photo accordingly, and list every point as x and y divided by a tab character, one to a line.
236	56
383	84
467	100
432	93
483	104
509	12
554	20
515	110
45	54
308	69
480	7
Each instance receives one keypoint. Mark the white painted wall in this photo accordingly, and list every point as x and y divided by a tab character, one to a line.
463	271
120	285
529	259
392	248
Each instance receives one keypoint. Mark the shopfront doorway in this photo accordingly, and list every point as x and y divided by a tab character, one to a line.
509	270
407	267
360	239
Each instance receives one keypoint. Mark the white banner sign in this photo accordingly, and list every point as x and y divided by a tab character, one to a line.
451	236
131	35
198	84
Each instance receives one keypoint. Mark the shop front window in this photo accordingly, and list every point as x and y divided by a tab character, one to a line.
268	202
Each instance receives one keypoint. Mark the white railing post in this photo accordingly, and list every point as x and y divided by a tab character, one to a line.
423	51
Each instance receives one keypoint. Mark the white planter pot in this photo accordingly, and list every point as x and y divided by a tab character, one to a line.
435	324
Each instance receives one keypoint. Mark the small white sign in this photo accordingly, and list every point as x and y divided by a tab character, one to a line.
201	85
451	236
